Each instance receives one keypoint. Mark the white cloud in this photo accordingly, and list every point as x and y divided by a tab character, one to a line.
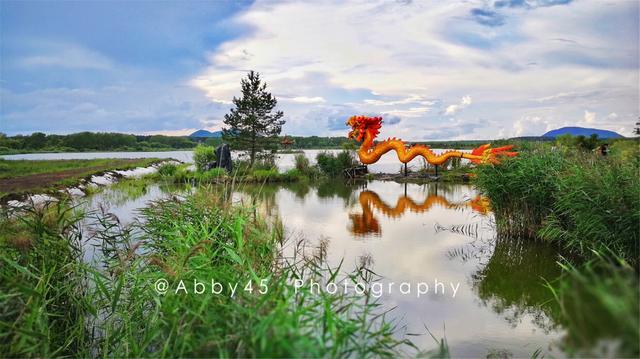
453	109
589	117
305	99
404	58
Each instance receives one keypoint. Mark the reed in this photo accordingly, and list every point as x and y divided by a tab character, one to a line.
575	199
54	304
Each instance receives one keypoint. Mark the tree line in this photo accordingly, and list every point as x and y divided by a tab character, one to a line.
92	141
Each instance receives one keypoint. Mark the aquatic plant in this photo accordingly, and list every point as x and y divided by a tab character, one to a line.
580	201
600	305
167	169
114	309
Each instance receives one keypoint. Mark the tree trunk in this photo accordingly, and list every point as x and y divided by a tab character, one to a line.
253	150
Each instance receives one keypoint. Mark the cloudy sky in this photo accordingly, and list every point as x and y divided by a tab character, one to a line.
433	69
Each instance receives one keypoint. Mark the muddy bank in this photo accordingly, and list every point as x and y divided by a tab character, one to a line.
18	196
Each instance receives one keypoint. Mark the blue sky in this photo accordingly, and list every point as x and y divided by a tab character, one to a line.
433	69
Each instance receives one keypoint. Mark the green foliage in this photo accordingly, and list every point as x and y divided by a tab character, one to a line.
595	205
167	169
43	294
266	175
304	167
211	174
600	303
302	163
626	150
568	141
202	156
91	141
48	309
580	200
334	165
252	126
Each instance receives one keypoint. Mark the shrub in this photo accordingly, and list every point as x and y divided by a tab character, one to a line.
292	175
167	169
302	163
202	156
266	163
334	165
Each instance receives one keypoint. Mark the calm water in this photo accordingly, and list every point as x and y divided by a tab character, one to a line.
387	164
414	233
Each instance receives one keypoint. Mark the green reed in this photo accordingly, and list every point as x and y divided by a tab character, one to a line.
600	307
579	200
53	304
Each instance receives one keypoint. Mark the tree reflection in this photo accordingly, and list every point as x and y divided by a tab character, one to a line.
513	281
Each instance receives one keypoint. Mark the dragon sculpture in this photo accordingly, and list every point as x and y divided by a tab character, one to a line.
366	129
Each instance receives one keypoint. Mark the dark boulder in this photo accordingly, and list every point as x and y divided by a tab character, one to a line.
223	158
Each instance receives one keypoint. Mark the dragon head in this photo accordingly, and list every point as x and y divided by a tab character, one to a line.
361	125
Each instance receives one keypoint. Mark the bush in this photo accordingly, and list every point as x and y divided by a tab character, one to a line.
267	163
202	156
334	165
167	169
302	163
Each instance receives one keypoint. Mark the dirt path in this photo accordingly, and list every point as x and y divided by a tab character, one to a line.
45	180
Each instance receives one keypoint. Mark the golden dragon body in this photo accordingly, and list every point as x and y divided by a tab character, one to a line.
366	129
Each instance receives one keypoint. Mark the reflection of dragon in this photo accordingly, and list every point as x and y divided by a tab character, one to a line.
366	222
366	129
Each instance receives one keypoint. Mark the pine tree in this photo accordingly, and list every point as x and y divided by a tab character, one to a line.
252	125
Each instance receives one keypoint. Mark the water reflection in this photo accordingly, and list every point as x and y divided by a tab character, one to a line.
512	282
422	232
366	223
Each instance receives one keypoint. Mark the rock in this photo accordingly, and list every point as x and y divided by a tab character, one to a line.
223	158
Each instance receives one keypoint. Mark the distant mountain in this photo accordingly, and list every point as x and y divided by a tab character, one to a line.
581	131
205	133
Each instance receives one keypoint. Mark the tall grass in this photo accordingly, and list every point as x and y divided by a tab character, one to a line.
580	201
521	190
54	305
600	306
43	291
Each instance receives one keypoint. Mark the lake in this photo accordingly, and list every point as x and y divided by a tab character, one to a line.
387	163
409	233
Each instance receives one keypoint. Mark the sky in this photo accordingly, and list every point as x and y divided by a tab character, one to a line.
435	70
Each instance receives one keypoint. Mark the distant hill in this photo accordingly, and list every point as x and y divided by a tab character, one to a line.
582	131
205	133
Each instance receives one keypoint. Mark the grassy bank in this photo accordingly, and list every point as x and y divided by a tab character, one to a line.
579	200
18	176
53	304
589	206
